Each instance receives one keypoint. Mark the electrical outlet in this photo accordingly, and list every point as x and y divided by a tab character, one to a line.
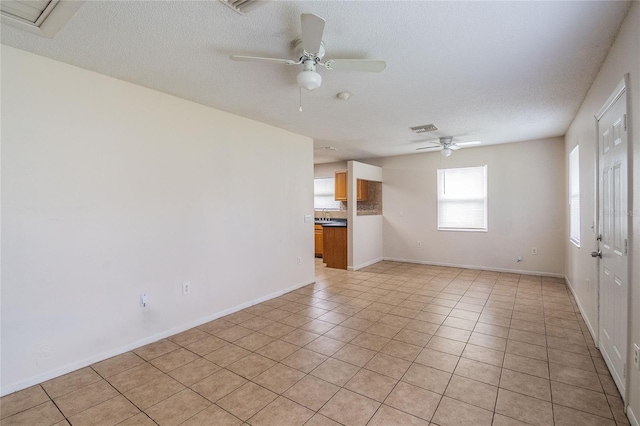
299	260
520	258
186	287
636	355
419	243
45	352
534	250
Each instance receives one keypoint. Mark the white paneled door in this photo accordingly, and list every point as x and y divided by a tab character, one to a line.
613	245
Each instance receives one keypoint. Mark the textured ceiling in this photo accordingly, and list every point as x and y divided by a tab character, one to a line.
491	71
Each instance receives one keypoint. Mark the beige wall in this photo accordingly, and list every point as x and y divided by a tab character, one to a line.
581	271
110	190
527	207
328	169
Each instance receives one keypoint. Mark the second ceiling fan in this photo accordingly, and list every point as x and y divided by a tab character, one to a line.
309	51
446	145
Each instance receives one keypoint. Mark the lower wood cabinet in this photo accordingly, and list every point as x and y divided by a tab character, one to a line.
318	239
335	247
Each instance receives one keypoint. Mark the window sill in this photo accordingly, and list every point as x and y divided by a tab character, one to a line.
463	230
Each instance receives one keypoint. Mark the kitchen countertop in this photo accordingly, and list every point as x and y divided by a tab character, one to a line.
334	223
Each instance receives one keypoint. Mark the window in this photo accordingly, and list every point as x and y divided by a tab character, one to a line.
462	199
323	194
574	196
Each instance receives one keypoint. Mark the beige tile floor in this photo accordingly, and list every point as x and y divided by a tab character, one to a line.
393	344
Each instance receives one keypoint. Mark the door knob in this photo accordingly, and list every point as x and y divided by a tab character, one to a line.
596	254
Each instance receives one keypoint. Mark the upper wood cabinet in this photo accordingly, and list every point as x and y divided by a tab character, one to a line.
363	190
362	193
341	186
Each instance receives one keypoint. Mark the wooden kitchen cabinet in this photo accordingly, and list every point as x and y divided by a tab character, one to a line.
341	186
319	240
363	190
362	193
335	247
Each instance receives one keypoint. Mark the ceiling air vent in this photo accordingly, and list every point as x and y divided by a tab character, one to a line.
243	6
423	129
42	17
28	11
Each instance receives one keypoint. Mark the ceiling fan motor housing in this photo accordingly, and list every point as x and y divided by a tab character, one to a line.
302	54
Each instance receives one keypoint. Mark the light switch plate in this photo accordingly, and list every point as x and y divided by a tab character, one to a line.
307	218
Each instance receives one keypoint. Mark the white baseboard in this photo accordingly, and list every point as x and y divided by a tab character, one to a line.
364	265
633	420
594	336
484	268
23	384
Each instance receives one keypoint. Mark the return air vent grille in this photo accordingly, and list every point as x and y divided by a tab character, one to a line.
31	11
424	128
42	17
243	6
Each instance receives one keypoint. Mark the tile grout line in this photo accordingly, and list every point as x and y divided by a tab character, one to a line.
400	290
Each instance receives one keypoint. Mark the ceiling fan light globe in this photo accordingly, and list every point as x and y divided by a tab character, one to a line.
446	152
309	80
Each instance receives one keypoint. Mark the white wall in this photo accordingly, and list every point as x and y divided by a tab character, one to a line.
110	190
527	207
624	57
365	232
328	169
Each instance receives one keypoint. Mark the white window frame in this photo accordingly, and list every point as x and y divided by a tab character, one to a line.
328	193
443	200
574	196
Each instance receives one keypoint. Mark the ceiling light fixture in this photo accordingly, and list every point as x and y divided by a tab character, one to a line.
343	96
446	152
309	80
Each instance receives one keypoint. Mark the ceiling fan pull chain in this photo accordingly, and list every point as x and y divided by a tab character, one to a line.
300	91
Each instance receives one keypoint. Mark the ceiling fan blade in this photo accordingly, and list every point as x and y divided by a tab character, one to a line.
259	59
468	143
430	148
312	29
367	65
454	147
432	142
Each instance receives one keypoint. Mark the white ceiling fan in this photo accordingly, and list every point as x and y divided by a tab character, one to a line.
309	50
446	145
